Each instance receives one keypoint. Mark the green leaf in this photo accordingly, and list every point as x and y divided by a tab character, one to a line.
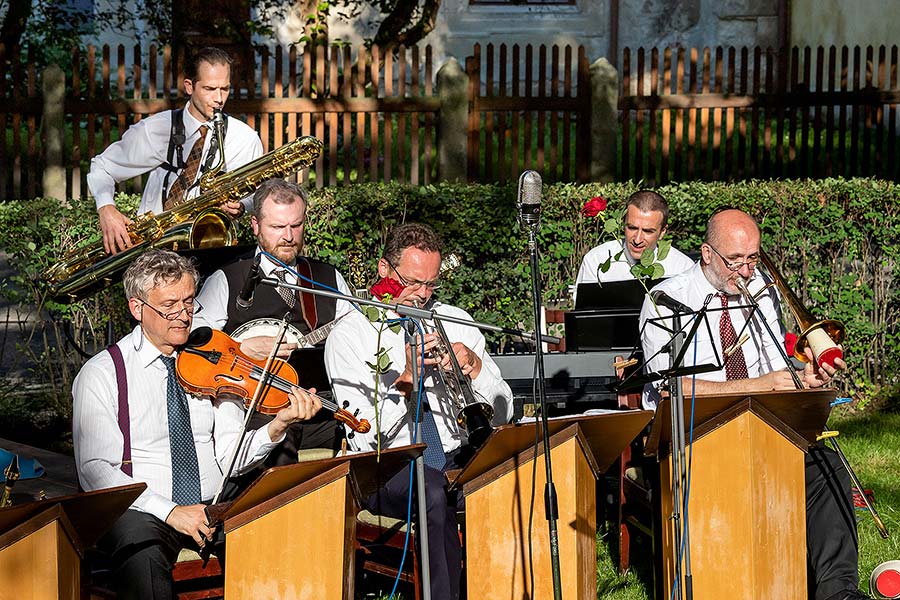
372	313
662	249
611	226
647	259
657	271
395	327
604	266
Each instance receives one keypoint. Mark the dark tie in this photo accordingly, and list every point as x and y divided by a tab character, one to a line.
289	296
186	178
185	468
735	364
434	453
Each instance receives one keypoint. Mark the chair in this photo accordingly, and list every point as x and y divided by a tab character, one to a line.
380	543
636	502
193	579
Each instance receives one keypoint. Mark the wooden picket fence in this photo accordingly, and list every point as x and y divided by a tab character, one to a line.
528	113
684	113
733	113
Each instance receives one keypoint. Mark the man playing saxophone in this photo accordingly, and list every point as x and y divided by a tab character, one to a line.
409	268
176	147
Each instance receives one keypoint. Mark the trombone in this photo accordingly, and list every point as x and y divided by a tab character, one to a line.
822	337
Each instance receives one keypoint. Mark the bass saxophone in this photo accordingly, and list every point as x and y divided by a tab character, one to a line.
195	223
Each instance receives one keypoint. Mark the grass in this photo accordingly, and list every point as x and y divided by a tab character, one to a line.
870	442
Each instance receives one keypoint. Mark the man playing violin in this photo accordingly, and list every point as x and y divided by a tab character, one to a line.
729	256
176	443
278	221
409	268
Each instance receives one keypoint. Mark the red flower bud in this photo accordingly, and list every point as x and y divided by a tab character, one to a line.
790	342
387	287
594	206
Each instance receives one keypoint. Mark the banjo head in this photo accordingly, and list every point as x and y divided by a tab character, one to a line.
267	327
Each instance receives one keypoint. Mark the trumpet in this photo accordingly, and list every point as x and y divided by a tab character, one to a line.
472	414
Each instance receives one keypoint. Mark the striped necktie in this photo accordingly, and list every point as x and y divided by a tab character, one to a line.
735	363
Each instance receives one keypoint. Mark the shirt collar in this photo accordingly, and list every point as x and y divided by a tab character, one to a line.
191	123
146	352
268	265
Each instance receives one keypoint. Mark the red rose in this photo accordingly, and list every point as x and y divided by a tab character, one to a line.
790	342
594	206
387	287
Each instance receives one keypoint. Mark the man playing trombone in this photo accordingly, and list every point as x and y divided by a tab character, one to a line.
729	256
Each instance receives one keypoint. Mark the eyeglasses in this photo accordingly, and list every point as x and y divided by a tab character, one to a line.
736	266
189	307
414	283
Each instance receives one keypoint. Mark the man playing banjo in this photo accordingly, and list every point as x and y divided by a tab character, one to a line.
278	220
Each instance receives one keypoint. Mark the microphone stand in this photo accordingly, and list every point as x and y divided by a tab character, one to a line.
551	508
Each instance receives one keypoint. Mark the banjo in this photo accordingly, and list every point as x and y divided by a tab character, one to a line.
272	328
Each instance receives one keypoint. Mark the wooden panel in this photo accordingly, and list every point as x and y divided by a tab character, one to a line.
747	511
497	520
43	565
316	561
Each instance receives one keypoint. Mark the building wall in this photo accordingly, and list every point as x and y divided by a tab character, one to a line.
648	23
838	22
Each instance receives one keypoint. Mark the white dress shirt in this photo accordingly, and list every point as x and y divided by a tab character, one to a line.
354	342
144	147
620	269
98	440
213	296
691	288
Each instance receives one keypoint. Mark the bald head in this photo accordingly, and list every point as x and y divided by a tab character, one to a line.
730	224
730	250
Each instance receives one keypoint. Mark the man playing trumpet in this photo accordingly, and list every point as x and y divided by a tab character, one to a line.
729	256
410	266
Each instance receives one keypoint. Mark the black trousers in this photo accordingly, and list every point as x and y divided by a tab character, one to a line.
143	551
444	549
832	545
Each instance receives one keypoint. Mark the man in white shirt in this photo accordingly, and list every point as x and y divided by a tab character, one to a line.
411	264
150	146
646	216
730	252
278	220
133	422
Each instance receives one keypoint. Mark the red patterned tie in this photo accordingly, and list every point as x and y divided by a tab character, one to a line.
735	364
186	178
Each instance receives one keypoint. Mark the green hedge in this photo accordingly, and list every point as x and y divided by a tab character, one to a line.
834	239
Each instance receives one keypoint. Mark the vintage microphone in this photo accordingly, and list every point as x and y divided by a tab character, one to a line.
529	208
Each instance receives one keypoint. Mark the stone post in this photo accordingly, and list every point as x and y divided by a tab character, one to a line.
54	89
453	116
604	119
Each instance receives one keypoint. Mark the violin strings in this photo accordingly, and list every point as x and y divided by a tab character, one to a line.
282	384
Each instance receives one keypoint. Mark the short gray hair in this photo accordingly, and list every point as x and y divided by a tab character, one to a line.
154	268
279	191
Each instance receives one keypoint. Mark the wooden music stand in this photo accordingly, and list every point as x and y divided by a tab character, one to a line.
42	543
747	503
291	533
498	483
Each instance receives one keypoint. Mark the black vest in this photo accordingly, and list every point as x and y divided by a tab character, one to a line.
267	304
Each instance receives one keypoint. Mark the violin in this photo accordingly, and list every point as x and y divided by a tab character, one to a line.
211	363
